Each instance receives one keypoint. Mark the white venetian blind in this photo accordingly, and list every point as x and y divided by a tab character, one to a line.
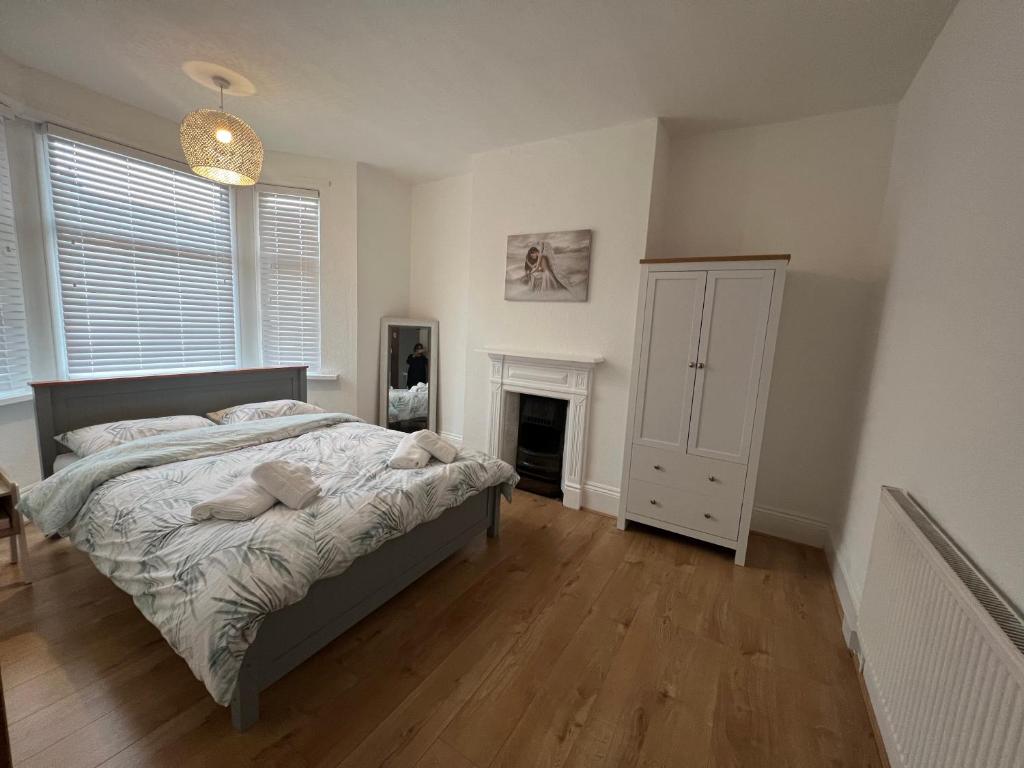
14	363
289	267
145	259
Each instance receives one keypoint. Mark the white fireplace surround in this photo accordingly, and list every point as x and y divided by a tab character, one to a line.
557	374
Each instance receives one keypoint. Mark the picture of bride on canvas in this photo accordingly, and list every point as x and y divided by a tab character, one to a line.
549	266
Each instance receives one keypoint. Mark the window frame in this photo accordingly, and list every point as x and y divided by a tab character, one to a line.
319	371
24	392
52	255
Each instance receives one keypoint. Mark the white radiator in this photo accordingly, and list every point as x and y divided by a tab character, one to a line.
943	651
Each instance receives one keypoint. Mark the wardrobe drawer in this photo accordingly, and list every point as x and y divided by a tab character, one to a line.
720	517
709	477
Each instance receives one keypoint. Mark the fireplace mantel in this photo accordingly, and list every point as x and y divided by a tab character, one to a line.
569	358
568	376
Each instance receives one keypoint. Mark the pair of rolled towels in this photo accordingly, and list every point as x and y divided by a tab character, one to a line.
272	481
416	448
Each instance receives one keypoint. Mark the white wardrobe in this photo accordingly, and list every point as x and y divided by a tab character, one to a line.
702	363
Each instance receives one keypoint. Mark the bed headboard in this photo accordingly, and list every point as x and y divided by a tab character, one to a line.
66	405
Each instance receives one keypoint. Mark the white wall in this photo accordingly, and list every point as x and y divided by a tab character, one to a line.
18	454
812	188
599	180
439	282
41	97
945	416
660	215
383	208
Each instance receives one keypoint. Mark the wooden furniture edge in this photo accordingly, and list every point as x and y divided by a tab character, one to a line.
15	531
691	260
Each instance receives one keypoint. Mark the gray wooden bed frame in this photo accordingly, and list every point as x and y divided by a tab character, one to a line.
289	636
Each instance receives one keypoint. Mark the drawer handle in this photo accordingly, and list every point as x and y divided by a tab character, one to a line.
707	515
654	501
658	467
712	478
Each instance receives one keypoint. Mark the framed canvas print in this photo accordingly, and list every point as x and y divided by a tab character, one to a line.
548	266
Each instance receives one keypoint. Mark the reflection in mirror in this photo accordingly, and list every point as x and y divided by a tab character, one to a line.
408	378
408	369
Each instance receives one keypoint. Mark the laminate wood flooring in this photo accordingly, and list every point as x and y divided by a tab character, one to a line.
565	642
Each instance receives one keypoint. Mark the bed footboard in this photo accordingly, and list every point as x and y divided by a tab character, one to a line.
290	636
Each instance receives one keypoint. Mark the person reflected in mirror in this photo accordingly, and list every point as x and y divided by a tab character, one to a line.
418	363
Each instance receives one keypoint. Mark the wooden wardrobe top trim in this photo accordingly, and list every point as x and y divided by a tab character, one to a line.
680	260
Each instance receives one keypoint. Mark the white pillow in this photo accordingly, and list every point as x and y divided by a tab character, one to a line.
236	414
89	440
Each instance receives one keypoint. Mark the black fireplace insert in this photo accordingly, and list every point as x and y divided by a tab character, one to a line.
540	444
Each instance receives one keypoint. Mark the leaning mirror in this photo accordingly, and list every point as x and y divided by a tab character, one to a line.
408	374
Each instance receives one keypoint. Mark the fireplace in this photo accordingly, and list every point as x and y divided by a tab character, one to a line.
540	444
522	386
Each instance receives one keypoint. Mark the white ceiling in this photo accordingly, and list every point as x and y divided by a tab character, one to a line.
419	85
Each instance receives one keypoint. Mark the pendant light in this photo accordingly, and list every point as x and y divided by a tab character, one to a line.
220	146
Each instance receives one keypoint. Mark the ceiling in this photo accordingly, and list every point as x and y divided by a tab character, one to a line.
417	86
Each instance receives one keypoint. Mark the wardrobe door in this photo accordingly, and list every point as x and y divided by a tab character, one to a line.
732	338
668	356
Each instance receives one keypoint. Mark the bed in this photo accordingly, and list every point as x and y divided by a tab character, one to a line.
244	603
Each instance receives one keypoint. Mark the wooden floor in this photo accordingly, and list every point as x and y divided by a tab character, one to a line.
564	643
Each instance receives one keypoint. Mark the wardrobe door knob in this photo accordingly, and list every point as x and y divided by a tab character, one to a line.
711	478
700	365
658	467
691	365
707	515
654	501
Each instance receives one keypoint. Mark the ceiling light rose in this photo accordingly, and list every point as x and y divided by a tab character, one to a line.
220	146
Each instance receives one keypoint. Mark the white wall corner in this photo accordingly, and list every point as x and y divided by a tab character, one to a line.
802	529
791	526
847	604
602	498
383	222
658	207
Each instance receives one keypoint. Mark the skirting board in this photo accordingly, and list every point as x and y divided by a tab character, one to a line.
791	526
775	522
602	498
847	604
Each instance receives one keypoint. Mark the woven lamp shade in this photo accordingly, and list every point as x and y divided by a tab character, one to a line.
221	147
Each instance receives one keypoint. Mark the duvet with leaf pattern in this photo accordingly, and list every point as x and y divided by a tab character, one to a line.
208	586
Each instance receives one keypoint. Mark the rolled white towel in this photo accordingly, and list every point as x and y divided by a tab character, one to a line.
290	482
242	501
408	455
436	446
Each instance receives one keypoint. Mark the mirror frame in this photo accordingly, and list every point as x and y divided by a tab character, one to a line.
382	397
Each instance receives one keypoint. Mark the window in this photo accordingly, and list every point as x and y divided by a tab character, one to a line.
14	362
289	276
144	259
